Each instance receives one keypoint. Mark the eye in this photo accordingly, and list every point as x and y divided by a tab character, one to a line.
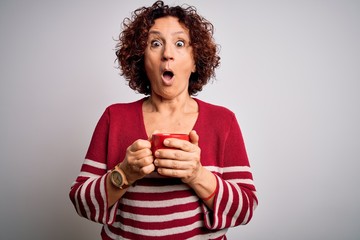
155	43
180	43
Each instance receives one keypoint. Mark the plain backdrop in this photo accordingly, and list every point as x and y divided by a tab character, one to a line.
290	70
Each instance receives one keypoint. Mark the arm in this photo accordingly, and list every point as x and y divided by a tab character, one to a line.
236	198
225	187
89	191
93	194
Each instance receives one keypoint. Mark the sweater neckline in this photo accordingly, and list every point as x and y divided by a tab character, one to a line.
141	115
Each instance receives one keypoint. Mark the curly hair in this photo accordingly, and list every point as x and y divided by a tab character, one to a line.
132	43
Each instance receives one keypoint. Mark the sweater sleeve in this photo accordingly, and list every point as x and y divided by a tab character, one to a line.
235	198
88	192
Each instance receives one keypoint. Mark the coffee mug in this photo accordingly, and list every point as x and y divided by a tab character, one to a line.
157	140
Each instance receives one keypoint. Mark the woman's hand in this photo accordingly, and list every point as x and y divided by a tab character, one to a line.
183	162
138	161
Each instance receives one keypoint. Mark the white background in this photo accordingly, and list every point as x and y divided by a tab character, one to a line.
289	70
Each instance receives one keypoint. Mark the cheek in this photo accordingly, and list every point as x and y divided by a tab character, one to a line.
151	58
150	68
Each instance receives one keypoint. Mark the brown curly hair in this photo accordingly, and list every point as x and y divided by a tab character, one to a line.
132	43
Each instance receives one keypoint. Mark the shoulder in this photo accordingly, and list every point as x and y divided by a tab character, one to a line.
125	106
122	111
214	110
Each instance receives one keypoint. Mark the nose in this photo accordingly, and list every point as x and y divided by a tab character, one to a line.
168	53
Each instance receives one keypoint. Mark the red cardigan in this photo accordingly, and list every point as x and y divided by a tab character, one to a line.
165	208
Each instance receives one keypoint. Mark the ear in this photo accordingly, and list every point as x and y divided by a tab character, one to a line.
194	69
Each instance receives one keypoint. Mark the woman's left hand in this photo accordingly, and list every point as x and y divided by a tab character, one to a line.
182	162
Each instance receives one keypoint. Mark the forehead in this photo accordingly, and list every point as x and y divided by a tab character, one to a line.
168	25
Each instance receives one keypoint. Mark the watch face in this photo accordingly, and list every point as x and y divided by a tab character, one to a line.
116	178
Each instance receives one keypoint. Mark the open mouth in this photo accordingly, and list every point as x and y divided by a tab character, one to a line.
167	75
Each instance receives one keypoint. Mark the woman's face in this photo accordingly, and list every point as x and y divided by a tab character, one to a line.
169	59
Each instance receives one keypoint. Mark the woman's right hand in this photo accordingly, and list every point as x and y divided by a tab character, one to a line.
138	161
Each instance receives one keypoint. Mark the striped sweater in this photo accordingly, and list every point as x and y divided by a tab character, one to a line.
157	207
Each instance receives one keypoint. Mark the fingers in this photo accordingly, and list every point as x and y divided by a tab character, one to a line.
179	169
188	146
139	144
138	161
147	169
181	161
175	164
178	144
194	137
170	172
139	154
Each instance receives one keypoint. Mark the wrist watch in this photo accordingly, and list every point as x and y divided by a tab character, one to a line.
118	178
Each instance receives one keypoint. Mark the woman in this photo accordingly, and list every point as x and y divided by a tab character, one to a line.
195	191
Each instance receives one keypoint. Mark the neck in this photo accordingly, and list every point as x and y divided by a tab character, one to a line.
184	104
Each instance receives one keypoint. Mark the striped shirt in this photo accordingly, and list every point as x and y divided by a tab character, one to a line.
158	207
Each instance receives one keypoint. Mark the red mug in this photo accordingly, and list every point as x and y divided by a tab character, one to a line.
157	140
